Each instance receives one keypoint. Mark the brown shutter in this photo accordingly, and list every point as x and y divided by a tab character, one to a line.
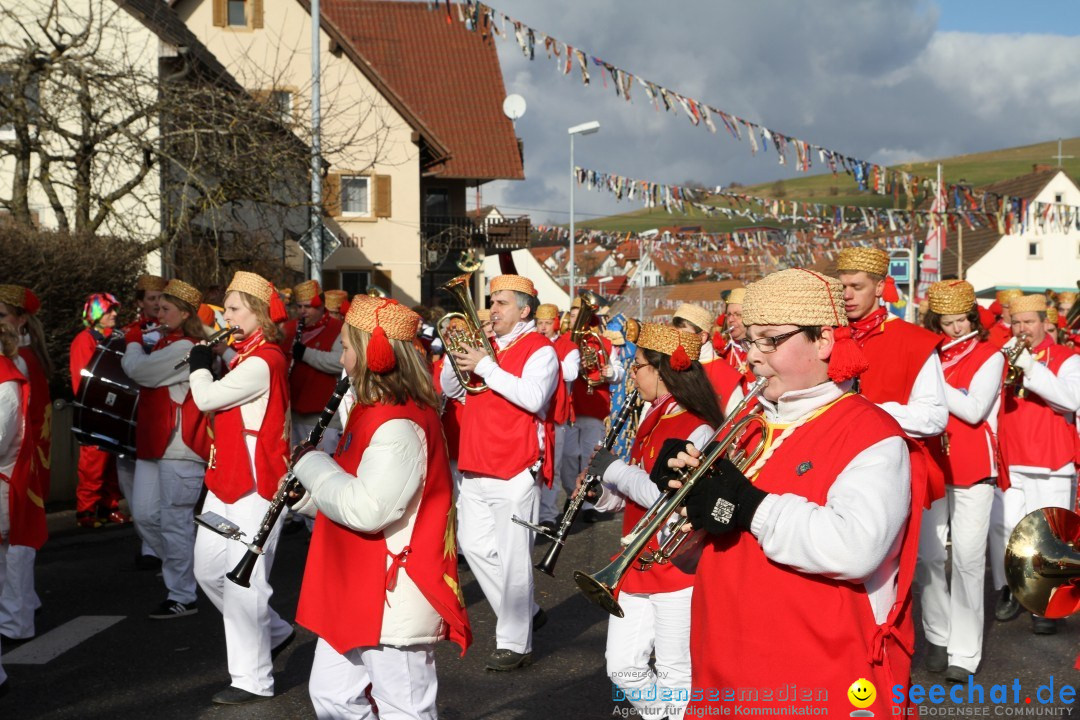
221	13
382	196
332	195
256	13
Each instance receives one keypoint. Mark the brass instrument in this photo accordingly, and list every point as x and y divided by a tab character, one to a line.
1042	559
1072	317
376	292
601	588
1014	377
218	337
589	340
472	336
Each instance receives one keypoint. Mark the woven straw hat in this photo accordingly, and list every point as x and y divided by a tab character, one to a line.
666	339
253	284
795	297
547	311
398	321
1052	314
183	291
150	282
1028	303
516	283
951	297
306	291
334	299
1007	296
695	314
21	297
1067	297
736	296
484	315
870	260
615	337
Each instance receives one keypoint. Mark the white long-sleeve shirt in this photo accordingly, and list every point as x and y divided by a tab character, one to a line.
571	366
1061	391
157	369
925	414
857	534
983	395
246	386
11	428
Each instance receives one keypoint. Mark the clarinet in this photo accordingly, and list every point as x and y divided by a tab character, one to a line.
547	563
241	574
298	341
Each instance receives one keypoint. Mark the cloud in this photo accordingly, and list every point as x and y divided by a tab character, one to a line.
874	79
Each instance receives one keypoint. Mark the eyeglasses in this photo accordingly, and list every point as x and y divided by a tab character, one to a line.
634	367
768	345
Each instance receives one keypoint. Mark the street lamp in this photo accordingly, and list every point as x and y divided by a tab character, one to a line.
584	129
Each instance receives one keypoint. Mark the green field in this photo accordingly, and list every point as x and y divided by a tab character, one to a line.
975	169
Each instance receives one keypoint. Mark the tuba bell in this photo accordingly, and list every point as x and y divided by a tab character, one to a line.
589	341
1042	562
472	334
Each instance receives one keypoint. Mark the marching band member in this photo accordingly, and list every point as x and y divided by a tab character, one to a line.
1001	332
383	501
168	470
656	603
547	324
726	381
905	377
952	612
823	519
1039	435
316	363
248	457
734	354
97	495
505	452
335	301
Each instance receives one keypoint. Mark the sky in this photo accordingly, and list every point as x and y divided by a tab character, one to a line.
882	80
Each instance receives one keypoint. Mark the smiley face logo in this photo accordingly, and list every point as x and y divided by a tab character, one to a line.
862	693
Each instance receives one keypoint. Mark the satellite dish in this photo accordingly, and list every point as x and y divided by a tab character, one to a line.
514	106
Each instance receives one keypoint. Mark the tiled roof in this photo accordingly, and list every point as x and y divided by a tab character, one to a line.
446	75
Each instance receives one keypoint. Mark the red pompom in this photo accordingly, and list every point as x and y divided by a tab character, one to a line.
995	307
847	359
344	308
316	301
278	313
986	317
680	360
718	342
380	355
890	295
31	304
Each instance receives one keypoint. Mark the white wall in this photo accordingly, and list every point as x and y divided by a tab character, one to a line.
527	266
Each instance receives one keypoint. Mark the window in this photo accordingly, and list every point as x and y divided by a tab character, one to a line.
355	282
237	13
1058	197
437	203
1033	249
31	94
281	101
355	195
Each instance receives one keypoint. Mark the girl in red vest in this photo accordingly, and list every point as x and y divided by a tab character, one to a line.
968	454
169	469
803	587
727	382
381	584
656	603
246	461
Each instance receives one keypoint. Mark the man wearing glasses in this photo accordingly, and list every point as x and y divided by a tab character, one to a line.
316	363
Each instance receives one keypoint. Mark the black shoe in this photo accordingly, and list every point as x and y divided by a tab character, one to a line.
957	674
504	660
10	642
235	696
539	619
1008	607
937	658
172	609
147	562
1043	626
5	687
590	516
280	647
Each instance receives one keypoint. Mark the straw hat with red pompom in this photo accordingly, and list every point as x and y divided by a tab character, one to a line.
681	347
259	287
20	297
385	319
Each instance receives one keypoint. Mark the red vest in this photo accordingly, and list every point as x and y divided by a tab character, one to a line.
723	378
1000	333
156	413
596	404
38	424
809	631
309	389
1034	434
671	424
228	473
451	416
970	446
26	508
736	359
520	448
564	408
346	579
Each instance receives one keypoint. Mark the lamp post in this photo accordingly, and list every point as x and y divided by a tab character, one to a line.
584	129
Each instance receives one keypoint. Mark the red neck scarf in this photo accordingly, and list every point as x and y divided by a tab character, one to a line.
247	346
310	331
957	353
169	339
660	407
863	329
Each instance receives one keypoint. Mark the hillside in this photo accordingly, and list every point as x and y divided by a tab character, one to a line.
975	169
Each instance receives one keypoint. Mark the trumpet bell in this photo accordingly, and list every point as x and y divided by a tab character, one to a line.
1042	562
600	589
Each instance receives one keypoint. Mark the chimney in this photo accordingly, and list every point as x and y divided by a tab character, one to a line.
1041	167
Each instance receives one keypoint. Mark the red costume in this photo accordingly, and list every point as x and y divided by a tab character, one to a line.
1034	434
309	389
26	508
98	489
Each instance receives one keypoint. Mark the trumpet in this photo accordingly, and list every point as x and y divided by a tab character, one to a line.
547	563
1014	377
602	588
589	341
218	337
472	335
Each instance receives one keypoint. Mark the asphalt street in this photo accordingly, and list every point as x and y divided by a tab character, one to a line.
111	661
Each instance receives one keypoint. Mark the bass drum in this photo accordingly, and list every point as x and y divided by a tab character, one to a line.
107	401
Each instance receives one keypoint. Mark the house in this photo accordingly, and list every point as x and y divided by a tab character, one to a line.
406	132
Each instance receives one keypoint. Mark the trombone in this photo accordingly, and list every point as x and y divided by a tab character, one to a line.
602	588
1042	562
472	335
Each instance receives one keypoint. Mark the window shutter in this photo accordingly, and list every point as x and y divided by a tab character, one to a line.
221	13
332	195
382	196
256	13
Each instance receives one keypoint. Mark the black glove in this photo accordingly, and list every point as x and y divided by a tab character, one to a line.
298	351
201	358
661	473
600	462
301	450
723	500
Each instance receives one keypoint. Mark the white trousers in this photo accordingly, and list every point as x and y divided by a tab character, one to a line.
499	551
18	600
1031	489
165	495
126	478
953	610
252	627
402	679
549	497
652	622
581	440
